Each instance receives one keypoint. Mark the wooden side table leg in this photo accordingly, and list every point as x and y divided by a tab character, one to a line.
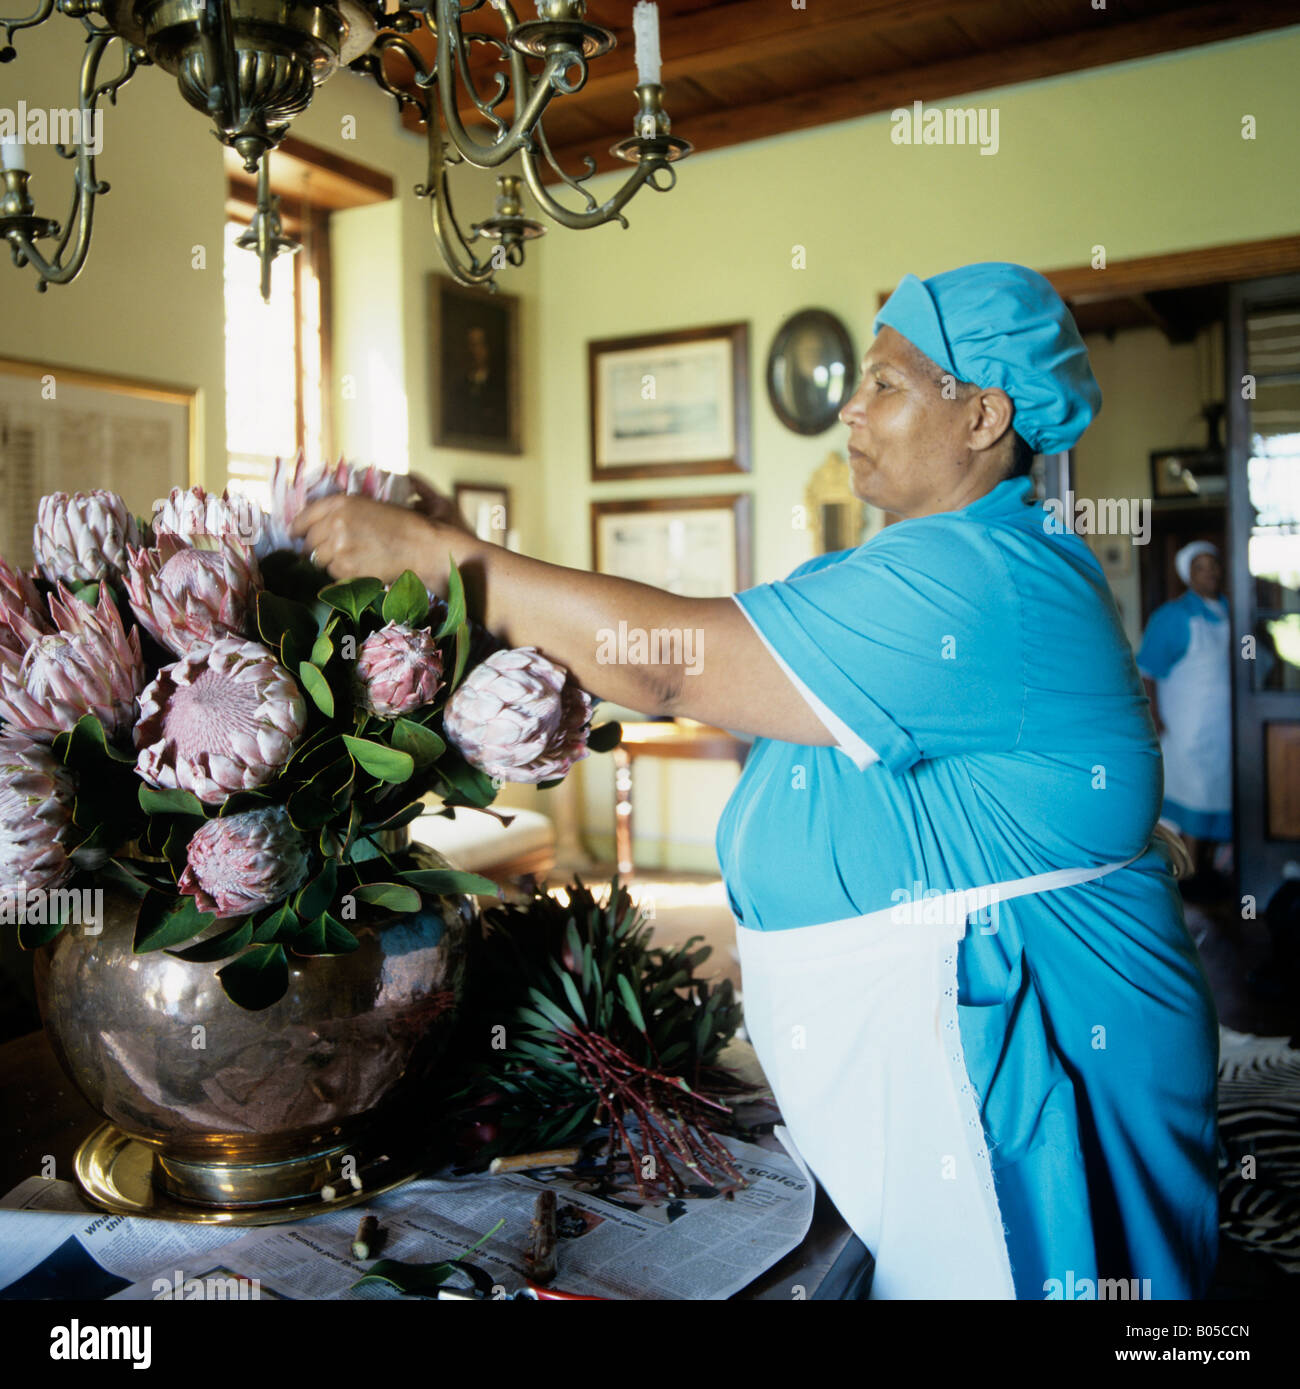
623	810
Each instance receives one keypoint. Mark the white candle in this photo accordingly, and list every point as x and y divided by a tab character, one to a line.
645	26
11	154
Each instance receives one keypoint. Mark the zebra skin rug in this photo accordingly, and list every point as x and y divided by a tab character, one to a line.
1259	1127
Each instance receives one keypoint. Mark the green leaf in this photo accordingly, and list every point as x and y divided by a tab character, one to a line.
279	925
445	882
455	602
571	993
422	744
322	650
388	764
164	922
288	628
229	942
606	737
88	593
407	600
310	807
409	812
414	1280
86	742
552	1010
169	802
319	893
462	655
475	785
257	978
353	597
630	1003
393	897
32	934
324	936
314	682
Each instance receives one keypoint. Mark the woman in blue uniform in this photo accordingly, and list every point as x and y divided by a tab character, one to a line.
1186	663
965	968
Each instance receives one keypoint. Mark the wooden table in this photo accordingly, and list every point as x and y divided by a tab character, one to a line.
45	1117
681	739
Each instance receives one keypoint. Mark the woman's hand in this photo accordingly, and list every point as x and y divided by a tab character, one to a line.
353	537
435	505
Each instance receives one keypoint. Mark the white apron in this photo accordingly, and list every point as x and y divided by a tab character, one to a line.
1196	709
854	1023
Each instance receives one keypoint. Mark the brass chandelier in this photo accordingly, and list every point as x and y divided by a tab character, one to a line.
252	65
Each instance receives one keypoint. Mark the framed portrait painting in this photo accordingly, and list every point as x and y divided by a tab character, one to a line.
670	404
698	547
474	367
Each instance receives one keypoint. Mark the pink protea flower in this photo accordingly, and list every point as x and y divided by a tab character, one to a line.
399	668
22	610
241	863
519	717
222	719
183	594
192	512
83	537
89	666
36	795
294	486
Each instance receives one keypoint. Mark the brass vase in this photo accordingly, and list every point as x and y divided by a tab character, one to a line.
216	1112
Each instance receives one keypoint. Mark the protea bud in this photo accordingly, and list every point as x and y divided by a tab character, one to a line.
82	538
89	666
36	795
519	717
183	594
243	862
293	487
22	610
399	668
223	719
192	512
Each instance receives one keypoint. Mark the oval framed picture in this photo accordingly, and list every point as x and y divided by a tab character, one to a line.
811	371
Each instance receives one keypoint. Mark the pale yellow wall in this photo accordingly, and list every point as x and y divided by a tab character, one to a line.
1152	394
1140	159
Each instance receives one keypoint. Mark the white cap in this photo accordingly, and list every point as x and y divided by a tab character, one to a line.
1183	559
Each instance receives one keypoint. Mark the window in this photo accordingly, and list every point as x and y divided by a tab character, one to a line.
275	355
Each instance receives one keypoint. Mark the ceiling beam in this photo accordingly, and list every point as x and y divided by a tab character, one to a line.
1093	47
717	39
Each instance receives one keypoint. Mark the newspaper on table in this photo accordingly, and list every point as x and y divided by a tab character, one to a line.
697	1247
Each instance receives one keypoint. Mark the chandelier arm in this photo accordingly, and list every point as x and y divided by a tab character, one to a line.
371	64
550	80
9	27
443	216
595	216
80	223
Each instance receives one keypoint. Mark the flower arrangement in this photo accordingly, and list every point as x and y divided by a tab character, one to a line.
193	710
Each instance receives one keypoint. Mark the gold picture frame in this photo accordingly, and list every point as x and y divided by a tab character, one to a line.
64	429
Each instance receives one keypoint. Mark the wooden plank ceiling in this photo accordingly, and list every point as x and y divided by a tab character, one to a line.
742	70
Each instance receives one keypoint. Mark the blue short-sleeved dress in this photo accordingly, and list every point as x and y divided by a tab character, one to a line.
991	725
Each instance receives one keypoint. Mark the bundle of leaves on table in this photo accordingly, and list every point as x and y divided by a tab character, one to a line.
192	708
574	1021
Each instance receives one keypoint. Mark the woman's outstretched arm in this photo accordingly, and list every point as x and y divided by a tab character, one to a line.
637	646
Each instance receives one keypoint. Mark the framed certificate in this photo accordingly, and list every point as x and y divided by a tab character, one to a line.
698	547
670	404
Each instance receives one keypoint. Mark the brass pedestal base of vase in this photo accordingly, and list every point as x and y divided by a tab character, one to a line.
122	1175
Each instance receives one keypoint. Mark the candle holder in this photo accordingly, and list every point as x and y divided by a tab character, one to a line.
18	212
508	225
651	139
562	25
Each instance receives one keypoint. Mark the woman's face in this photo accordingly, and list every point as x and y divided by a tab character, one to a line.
1206	574
907	444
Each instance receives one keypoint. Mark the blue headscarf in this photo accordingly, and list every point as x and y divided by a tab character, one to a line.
1003	325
